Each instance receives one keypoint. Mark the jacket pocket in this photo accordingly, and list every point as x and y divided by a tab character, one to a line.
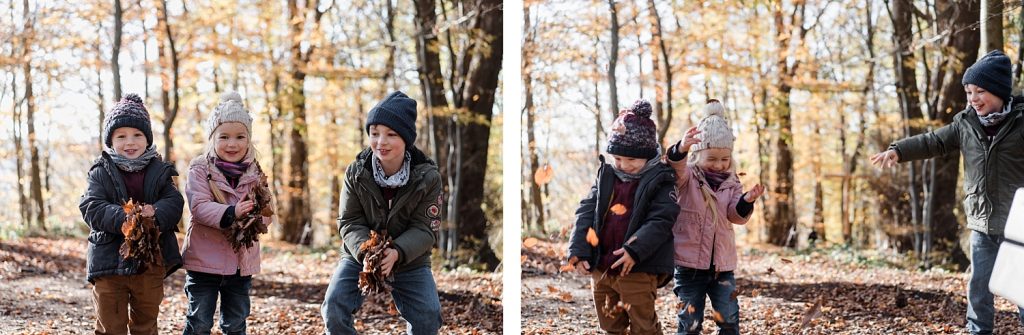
687	233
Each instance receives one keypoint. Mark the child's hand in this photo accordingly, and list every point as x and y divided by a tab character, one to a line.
243	207
754	193
689	139
582	267
148	211
390	257
885	159
626	261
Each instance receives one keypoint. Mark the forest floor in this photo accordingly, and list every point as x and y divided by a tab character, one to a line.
43	291
830	291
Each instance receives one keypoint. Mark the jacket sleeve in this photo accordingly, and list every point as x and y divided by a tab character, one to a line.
168	207
99	212
578	245
205	210
927	145
683	174
352	222
733	213
657	227
420	237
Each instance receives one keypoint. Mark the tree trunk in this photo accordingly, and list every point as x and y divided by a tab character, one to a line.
480	89
101	101
439	118
963	51
36	183
172	112
536	200
19	151
115	54
991	25
663	92
613	59
782	216
909	98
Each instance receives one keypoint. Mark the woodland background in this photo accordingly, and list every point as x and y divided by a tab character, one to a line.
308	72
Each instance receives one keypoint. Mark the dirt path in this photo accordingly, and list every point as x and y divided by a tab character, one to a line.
43	291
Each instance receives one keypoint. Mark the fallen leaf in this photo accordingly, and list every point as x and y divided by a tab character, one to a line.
811	313
717	316
787	261
529	242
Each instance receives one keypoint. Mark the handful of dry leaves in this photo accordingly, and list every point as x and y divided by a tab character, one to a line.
374	281
141	236
244	232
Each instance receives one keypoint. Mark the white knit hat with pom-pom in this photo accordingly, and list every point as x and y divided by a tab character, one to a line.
714	128
230	109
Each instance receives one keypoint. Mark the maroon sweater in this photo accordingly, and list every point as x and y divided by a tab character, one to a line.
613	233
134	182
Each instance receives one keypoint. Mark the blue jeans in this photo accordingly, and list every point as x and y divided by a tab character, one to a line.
414	292
980	306
692	286
202	290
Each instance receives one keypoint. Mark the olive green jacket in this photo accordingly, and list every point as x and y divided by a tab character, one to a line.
411	218
993	169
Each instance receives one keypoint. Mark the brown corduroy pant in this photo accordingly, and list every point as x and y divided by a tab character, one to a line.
129	303
636	292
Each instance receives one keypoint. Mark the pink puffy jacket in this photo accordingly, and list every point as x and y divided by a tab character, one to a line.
206	249
698	231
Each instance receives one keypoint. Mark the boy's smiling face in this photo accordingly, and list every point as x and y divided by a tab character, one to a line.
128	142
983	101
628	165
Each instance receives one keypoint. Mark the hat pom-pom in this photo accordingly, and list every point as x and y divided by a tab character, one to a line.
230	96
642	108
132	97
714	107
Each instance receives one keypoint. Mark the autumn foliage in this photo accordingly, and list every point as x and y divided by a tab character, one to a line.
245	231
141	236
374	281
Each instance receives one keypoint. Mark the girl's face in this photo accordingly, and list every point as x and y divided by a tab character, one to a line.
386	144
716	160
982	101
128	142
628	165
232	141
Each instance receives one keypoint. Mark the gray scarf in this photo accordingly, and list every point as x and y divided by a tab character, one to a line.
996	118
651	163
396	180
133	165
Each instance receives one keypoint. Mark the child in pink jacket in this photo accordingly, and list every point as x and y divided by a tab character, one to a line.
220	189
711	200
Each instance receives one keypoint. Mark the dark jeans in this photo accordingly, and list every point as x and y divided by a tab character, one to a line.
692	286
202	290
414	292
981	310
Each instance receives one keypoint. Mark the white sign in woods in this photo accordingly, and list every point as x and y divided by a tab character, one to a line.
1009	268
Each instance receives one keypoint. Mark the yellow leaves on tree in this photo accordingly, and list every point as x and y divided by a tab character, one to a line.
245	231
592	237
141	237
374	281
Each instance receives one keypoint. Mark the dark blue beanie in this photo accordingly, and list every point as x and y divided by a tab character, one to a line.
129	112
992	73
398	112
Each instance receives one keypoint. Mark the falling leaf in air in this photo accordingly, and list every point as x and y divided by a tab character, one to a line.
618	209
811	313
717	316
543	175
787	261
592	237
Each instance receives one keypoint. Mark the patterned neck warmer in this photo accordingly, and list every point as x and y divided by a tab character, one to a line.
231	170
993	119
133	165
715	179
651	163
396	180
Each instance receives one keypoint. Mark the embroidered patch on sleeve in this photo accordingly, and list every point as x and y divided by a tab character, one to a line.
435	225
433	211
